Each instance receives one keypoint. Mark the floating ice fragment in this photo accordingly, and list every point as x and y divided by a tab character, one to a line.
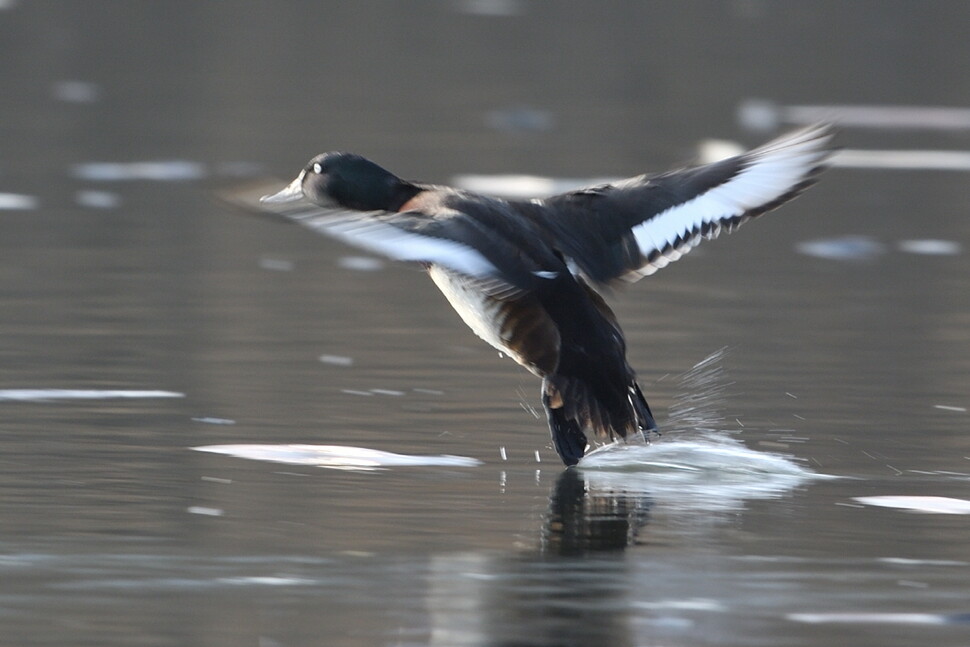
209	512
946	407
761	114
360	263
758	115
97	199
507	186
843	248
926	504
690	604
264	580
75	91
42	395
216	479
930	247
239	169
523	186
277	264
337	360
336	456
214	421
17	201
161	170
926	160
879	618
489	7
907	561
520	119
715	150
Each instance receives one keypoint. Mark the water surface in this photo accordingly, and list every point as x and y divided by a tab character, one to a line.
812	482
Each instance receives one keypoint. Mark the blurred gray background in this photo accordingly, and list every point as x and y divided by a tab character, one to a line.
846	316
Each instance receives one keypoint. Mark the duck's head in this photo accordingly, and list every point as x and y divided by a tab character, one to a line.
347	181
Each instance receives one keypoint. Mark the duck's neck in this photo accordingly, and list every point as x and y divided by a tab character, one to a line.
402	193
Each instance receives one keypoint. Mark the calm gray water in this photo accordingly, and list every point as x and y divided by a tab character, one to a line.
847	343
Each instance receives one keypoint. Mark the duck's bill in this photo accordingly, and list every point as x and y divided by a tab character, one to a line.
292	193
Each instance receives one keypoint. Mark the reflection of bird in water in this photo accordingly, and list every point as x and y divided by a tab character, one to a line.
581	521
523	274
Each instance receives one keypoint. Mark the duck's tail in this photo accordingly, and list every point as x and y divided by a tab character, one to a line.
574	406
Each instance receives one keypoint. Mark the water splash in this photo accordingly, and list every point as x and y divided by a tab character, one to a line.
709	473
702	397
696	464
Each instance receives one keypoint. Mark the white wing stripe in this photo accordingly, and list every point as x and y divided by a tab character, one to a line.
771	172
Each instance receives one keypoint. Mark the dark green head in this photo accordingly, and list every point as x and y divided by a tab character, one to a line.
349	181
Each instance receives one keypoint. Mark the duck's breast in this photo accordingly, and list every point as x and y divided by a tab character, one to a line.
518	325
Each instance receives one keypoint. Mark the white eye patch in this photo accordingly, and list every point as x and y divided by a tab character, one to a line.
317	168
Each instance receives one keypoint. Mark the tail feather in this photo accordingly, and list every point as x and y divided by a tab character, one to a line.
567	436
645	418
574	407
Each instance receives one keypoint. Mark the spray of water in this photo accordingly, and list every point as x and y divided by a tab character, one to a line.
697	462
702	397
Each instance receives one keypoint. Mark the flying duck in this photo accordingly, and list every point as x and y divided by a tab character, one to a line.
526	275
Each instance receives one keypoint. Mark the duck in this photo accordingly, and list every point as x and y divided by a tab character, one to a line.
529	276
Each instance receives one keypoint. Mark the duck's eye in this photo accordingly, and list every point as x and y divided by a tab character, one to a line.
317	168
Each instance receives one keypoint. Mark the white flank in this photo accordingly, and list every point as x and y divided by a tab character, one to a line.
772	171
479	312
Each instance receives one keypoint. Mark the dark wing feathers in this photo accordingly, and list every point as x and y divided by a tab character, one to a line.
632	228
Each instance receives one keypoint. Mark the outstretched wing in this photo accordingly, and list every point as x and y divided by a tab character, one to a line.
634	227
448	238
